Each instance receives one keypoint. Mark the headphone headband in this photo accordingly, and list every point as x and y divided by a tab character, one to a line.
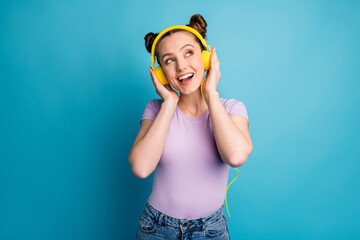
190	29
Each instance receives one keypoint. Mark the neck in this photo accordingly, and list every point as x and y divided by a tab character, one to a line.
193	104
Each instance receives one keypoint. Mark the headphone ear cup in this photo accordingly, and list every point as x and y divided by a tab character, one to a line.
206	57
161	76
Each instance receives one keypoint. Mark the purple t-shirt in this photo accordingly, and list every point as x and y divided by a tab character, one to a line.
190	179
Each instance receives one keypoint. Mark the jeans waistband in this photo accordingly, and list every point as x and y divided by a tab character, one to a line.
162	218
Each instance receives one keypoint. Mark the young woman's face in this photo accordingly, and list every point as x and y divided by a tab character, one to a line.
181	60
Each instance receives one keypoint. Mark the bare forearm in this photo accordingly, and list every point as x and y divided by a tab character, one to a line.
232	144
146	153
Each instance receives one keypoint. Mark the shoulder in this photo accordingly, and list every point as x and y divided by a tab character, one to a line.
229	103
155	103
234	107
152	108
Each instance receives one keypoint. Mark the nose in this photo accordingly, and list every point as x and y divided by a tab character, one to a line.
181	64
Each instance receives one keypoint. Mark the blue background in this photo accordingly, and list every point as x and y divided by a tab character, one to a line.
75	81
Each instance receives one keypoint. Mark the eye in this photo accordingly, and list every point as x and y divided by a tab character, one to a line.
168	61
188	53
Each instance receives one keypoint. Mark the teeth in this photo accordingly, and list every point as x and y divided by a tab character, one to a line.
186	76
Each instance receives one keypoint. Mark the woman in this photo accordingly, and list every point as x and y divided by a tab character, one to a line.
191	140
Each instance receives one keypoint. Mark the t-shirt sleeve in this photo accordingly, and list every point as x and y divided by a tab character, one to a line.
152	108
236	108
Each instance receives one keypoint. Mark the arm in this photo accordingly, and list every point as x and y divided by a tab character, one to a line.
231	133
149	143
147	149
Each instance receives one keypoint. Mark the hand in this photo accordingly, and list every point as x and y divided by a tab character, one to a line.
212	79
165	92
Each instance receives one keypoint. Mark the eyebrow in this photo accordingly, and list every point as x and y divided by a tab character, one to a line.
166	54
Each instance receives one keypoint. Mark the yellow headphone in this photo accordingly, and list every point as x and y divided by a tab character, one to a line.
206	54
206	57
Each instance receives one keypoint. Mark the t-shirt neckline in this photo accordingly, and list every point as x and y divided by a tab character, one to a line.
190	118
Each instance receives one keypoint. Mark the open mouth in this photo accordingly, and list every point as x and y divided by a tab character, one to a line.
186	77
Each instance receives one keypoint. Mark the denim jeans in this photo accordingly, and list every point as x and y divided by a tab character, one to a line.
157	225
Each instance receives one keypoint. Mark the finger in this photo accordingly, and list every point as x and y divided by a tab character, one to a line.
217	59
213	58
151	74
154	78
216	62
168	87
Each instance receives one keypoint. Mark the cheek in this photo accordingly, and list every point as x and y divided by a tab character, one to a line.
199	61
199	65
169	71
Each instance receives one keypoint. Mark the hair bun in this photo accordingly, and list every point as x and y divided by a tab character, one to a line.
198	23
149	40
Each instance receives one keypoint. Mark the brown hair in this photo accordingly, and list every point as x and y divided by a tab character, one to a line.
196	21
